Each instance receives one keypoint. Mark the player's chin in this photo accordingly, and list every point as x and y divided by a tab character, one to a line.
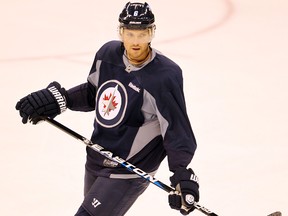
136	53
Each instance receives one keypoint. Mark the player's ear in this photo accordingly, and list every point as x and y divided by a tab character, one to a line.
120	33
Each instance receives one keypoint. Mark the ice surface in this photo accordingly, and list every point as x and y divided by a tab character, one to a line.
234	59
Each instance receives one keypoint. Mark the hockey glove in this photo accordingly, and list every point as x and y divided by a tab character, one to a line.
47	102
187	191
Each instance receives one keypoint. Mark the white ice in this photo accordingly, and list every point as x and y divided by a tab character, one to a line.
234	58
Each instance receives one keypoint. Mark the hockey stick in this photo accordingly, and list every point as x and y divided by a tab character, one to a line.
109	155
277	213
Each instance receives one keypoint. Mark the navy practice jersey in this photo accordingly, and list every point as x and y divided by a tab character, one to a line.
140	112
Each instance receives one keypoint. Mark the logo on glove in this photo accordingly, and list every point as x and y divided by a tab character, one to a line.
59	98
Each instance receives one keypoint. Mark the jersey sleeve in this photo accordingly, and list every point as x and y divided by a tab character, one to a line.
82	97
179	140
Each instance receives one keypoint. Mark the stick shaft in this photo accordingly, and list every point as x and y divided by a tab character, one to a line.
109	155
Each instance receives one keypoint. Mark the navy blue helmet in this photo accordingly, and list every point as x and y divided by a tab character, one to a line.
136	16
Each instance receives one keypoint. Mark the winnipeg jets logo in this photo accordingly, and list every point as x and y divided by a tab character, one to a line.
111	102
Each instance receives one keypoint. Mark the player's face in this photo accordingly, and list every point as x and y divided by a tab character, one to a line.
136	43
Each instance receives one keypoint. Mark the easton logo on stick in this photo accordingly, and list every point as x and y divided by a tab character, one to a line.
124	163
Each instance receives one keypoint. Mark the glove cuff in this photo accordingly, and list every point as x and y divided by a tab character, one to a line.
183	174
59	94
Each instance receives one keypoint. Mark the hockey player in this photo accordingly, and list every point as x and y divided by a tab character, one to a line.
140	115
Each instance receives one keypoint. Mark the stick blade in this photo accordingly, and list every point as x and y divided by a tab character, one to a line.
277	213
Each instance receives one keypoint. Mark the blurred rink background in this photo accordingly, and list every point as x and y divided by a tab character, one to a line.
234	58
